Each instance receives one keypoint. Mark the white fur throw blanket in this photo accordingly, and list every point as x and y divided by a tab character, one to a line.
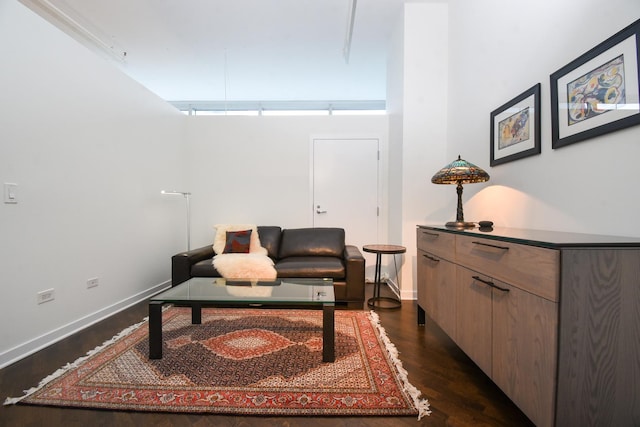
245	266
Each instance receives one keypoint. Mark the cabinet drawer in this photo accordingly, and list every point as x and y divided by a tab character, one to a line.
530	268
437	242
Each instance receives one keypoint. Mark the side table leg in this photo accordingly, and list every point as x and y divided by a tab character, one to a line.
155	330
376	282
328	333
378	301
377	277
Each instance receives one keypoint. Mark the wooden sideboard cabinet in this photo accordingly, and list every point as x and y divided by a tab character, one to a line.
552	318
438	269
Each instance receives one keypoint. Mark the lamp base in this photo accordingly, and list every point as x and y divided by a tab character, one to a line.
460	224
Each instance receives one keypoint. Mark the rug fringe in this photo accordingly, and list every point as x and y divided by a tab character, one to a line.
69	366
422	405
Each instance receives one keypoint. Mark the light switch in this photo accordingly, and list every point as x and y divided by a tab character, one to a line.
10	192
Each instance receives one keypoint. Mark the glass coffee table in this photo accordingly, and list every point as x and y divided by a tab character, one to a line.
200	291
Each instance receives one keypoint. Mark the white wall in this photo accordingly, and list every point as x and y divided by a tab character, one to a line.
495	52
256	169
395	111
90	150
418	126
583	187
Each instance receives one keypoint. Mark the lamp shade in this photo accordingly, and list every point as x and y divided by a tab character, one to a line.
460	172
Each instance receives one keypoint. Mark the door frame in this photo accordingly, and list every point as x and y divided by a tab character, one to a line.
383	177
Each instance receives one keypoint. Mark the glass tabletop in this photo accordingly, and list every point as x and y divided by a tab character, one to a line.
213	289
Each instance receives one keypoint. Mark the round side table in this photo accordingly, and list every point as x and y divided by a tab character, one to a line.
377	301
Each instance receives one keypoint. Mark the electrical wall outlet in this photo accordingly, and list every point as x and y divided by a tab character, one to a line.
93	282
46	296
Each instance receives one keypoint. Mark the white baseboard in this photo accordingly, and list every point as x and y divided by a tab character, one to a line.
409	295
402	295
23	350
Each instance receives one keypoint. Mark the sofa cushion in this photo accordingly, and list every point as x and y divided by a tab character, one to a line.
270	239
204	268
238	242
220	239
311	266
315	242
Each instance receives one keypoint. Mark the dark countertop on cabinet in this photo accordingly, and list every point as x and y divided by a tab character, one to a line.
541	238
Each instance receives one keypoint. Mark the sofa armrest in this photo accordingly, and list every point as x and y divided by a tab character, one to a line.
181	263
355	264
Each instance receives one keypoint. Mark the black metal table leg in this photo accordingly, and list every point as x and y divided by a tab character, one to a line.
196	314
376	277
155	330
376	301
328	333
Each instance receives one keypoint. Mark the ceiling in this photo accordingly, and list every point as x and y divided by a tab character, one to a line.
240	50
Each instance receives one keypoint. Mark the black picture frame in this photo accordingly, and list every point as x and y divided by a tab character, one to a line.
598	92
515	128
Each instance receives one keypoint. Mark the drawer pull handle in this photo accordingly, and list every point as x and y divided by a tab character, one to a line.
431	258
504	248
431	234
493	285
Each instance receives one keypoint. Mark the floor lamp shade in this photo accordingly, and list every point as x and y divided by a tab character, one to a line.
187	197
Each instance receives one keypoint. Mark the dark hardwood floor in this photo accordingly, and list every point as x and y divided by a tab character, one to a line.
460	394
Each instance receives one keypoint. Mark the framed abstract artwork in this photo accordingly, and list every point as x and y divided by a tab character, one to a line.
599	92
515	128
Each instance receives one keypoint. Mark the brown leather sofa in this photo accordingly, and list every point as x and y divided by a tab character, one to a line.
301	252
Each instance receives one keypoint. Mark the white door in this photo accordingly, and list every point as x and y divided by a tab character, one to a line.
345	190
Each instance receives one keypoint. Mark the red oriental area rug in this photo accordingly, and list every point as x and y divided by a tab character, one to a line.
241	361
